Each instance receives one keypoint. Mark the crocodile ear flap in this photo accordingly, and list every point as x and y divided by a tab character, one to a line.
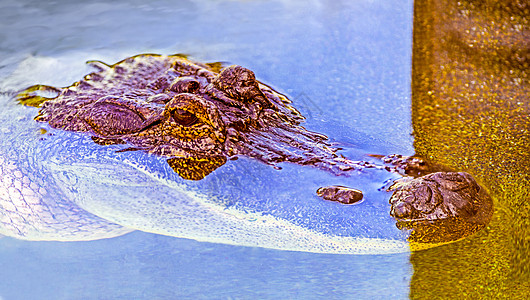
195	168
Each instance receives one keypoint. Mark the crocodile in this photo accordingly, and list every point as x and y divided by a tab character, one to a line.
200	115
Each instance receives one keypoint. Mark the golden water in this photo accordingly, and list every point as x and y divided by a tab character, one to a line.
471	111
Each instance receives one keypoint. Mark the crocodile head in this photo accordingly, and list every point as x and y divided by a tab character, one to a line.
197	115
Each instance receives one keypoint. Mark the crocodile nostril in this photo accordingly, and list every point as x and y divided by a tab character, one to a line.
185	85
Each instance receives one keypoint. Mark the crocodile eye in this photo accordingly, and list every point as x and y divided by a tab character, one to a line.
184	118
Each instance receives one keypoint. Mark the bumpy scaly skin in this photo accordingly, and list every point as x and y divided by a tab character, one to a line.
452	198
436	196
184	110
340	194
197	116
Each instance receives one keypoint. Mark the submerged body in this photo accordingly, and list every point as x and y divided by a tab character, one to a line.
197	116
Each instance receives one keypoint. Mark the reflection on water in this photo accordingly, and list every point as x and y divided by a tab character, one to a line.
471	111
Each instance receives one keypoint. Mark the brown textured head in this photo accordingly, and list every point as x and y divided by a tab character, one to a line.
195	114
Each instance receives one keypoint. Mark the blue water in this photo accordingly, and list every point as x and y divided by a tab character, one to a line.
147	266
346	65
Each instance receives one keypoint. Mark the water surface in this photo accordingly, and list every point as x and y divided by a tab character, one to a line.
345	64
